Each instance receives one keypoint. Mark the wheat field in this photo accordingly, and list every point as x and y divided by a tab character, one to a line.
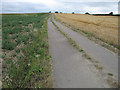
102	27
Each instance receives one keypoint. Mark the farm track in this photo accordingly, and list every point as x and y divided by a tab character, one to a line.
106	58
70	68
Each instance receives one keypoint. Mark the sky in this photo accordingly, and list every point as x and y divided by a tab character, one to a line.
65	6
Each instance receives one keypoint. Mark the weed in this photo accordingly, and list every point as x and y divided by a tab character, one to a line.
14	55
99	67
27	30
87	56
8	45
81	50
3	56
17	51
110	74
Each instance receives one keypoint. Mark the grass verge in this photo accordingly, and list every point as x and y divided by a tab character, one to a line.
26	60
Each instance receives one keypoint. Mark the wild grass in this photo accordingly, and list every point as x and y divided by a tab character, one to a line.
26	61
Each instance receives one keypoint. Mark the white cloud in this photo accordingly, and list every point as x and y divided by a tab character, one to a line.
101	10
61	5
91	0
46	2
54	1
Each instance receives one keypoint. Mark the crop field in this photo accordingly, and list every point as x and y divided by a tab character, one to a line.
26	60
104	28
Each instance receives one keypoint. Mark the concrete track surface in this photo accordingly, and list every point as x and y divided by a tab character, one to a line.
107	59
70	69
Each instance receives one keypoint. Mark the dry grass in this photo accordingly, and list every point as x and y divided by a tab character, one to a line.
102	27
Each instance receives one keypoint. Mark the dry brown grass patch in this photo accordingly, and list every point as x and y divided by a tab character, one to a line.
103	27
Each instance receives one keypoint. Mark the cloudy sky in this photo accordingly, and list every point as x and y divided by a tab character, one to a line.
68	6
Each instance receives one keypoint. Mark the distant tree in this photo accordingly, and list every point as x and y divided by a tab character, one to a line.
49	11
60	12
111	13
56	11
73	13
87	13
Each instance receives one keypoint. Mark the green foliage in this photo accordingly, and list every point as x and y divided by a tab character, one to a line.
27	30
8	45
17	51
12	24
110	74
30	60
81	50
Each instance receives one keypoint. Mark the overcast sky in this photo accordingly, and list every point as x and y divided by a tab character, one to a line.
77	6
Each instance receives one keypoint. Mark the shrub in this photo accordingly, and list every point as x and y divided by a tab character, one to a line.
111	13
56	11
73	13
87	13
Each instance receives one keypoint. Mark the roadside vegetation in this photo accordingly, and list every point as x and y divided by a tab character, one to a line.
26	60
